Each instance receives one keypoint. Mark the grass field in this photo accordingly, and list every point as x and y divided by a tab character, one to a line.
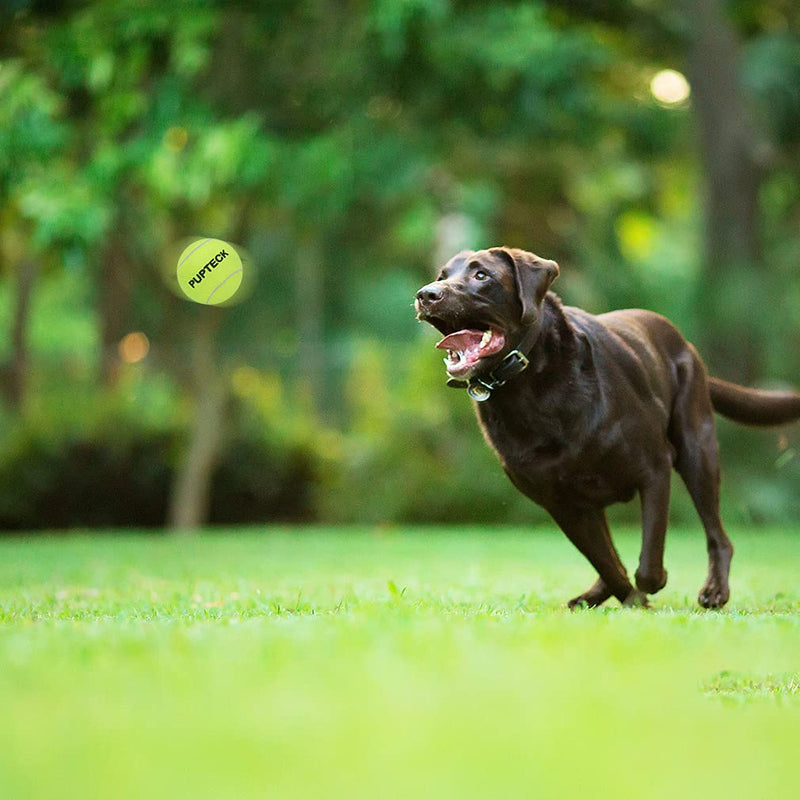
397	663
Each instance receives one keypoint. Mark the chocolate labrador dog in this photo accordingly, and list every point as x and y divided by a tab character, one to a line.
584	411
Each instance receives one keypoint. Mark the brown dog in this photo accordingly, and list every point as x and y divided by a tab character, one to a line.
584	411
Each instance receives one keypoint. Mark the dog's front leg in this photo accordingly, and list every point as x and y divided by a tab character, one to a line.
587	529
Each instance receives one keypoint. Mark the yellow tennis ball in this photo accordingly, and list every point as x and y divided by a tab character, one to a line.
209	271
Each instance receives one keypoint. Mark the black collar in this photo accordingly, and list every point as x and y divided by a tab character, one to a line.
480	387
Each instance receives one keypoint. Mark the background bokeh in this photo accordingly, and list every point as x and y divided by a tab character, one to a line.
350	147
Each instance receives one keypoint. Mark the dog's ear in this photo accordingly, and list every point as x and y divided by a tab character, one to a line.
533	276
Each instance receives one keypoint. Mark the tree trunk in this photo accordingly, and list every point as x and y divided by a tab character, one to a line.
191	493
114	302
729	149
17	372
310	304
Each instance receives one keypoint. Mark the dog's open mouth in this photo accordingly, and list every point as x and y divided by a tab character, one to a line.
465	348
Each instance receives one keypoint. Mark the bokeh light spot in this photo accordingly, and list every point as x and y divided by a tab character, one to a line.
670	88
134	347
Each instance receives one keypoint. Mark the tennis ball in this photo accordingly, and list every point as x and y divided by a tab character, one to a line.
209	271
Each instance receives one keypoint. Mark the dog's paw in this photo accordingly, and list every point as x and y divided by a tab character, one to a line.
591	598
636	599
650	584
714	594
582	601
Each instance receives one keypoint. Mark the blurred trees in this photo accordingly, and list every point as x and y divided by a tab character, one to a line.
342	145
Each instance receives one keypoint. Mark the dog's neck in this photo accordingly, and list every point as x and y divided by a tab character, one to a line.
556	342
536	401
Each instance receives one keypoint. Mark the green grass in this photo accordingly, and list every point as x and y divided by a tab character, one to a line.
396	663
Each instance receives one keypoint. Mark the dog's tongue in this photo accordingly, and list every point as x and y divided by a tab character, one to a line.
461	341
466	347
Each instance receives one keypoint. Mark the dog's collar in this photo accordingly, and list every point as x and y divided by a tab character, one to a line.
480	387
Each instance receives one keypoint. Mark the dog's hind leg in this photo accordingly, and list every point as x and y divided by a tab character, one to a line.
587	529
693	434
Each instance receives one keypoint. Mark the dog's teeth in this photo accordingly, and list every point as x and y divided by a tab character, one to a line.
487	337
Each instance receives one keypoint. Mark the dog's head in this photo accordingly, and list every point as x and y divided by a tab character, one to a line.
483	302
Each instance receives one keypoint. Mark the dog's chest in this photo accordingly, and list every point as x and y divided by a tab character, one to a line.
548	456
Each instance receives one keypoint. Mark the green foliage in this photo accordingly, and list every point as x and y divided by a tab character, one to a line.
772	72
353	134
412	451
30	128
63	207
83	459
62	334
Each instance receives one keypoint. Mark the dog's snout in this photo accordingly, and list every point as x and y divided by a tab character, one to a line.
430	293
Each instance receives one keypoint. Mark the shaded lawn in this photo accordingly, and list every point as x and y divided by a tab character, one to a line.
399	663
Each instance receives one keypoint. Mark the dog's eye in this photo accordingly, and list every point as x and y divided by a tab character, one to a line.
480	275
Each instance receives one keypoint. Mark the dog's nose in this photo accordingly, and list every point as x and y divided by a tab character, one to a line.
430	293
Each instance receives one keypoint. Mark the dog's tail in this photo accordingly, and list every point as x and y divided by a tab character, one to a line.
753	406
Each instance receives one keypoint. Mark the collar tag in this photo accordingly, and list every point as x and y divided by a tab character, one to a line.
479	391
